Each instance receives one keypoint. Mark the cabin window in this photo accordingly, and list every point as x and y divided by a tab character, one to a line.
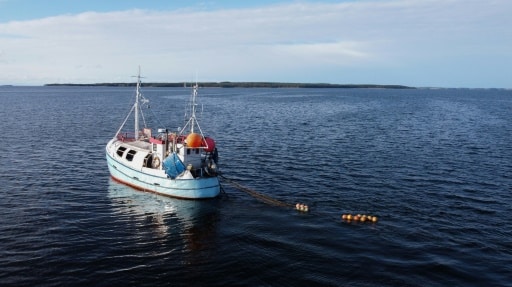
154	147
197	151
130	154
120	151
188	151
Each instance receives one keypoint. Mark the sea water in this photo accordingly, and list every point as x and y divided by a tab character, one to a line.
435	167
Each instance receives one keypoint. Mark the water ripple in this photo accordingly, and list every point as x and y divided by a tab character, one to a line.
435	166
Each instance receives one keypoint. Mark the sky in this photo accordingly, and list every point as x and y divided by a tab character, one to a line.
420	43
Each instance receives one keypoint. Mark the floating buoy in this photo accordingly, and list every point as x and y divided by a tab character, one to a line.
359	218
301	207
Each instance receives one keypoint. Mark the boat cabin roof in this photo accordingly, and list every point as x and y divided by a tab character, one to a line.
141	145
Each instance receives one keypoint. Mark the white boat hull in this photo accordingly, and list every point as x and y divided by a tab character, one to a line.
182	165
198	188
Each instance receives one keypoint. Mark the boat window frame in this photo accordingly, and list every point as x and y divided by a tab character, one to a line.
130	154
121	150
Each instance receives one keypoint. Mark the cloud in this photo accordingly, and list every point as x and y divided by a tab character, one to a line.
270	42
337	52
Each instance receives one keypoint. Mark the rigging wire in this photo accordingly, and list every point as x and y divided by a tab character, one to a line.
154	115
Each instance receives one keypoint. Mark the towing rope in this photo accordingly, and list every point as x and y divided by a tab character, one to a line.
265	198
348	218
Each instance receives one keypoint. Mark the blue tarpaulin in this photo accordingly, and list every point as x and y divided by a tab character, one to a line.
173	165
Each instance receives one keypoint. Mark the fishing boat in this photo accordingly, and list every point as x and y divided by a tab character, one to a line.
181	164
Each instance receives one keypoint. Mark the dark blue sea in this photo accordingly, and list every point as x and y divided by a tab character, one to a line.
435	167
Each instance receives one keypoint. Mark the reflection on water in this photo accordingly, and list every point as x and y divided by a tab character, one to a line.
193	221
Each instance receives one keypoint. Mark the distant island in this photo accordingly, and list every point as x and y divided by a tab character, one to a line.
244	85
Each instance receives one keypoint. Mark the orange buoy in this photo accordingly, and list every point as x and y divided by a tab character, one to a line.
358	217
194	140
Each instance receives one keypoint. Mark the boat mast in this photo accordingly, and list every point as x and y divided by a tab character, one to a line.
136	107
193	107
192	120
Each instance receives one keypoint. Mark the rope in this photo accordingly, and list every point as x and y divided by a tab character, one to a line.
347	218
262	197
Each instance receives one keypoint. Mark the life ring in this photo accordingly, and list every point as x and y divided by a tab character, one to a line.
156	162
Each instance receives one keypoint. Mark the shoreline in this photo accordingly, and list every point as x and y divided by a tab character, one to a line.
243	85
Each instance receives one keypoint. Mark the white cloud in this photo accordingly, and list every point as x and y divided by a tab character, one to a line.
265	43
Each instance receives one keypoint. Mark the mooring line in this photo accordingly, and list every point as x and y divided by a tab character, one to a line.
262	197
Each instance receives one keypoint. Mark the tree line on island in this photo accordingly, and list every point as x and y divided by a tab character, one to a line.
244	85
